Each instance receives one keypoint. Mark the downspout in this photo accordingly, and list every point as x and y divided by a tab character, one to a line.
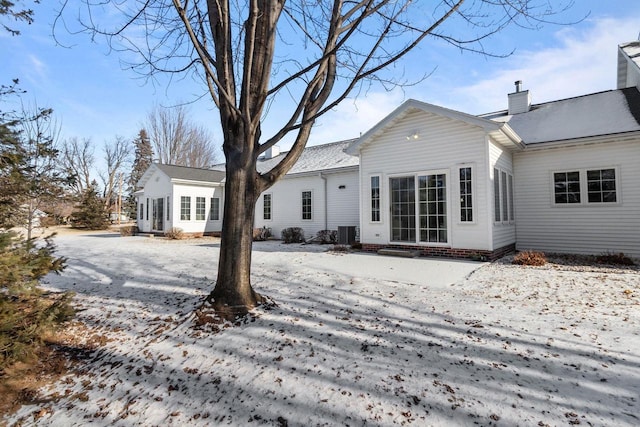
324	178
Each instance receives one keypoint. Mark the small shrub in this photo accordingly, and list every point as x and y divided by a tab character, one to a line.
174	233
614	259
293	235
531	258
327	236
128	230
260	234
356	245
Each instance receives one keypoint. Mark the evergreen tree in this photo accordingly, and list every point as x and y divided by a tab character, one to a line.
13	182
142	161
91	213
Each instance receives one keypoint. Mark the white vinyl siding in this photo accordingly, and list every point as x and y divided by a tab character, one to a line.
591	228
334	202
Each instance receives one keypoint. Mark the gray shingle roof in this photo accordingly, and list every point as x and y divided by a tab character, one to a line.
191	174
598	114
315	159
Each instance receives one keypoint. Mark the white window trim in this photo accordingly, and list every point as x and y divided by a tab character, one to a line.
302	208
473	194
211	206
510	197
204	216
191	213
380	189
584	190
271	201
447	174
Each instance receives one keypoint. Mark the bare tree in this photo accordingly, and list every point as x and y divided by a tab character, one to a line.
178	141
77	161
117	156
306	55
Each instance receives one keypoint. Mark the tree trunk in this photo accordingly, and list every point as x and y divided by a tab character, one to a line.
233	295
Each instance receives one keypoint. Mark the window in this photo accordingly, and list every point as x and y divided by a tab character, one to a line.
185	208
375	199
601	186
566	187
201	206
585	186
147	209
503	196
168	210
466	196
214	211
266	207
306	205
496	195
141	216
512	213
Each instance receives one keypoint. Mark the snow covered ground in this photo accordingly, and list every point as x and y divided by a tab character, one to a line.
355	340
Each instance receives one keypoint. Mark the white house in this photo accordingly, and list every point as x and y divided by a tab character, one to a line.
319	193
559	176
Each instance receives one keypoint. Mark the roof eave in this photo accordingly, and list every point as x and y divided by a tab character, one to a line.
596	139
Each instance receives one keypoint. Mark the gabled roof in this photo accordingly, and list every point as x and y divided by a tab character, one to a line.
599	114
183	173
499	131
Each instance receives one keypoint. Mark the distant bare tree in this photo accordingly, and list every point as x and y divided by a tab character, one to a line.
77	161
117	156
178	141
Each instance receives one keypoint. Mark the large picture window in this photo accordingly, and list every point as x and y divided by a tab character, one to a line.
375	199
185	208
307	207
214	210
466	195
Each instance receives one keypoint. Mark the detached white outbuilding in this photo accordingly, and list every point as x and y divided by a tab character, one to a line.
176	196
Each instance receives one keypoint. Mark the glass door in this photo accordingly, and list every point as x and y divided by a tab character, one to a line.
403	209
158	214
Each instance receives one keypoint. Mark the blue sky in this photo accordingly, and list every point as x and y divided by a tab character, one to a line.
93	97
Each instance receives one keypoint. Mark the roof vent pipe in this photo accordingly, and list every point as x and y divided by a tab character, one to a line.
518	86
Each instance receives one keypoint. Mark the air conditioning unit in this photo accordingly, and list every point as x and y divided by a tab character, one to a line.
347	235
